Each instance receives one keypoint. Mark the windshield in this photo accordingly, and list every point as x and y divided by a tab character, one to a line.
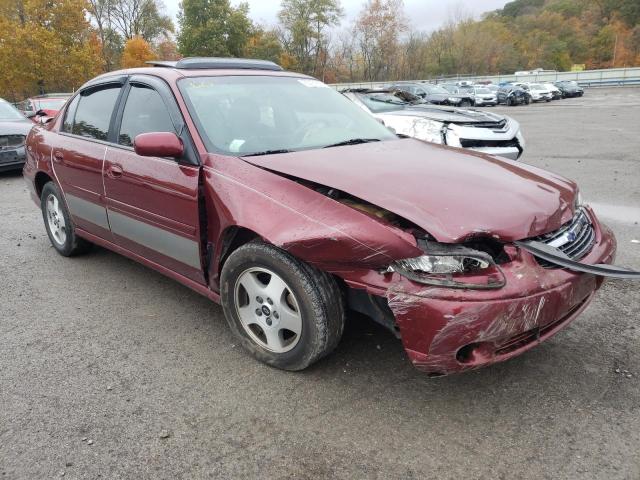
243	115
435	89
537	87
9	112
49	103
482	90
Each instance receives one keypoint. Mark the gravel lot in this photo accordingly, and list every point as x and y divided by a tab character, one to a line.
109	370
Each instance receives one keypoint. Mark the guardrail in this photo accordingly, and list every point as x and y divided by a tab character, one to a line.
587	78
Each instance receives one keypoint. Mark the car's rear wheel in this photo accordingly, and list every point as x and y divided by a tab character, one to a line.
58	224
284	312
465	104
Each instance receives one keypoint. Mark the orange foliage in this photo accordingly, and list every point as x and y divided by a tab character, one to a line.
136	53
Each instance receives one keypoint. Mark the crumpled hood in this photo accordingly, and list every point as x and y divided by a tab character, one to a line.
449	114
17	127
453	194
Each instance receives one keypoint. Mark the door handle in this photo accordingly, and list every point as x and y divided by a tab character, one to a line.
114	170
58	156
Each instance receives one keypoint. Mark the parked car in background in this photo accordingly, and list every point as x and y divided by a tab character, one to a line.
513	95
484	96
484	132
436	94
14	127
540	93
569	89
273	194
41	107
450	87
556	94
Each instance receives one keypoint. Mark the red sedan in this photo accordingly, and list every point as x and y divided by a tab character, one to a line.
44	107
273	194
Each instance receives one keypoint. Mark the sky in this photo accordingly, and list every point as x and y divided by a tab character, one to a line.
424	15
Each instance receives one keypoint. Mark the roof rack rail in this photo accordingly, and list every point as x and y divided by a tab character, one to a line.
218	63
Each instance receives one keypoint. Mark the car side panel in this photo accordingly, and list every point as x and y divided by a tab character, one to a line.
77	164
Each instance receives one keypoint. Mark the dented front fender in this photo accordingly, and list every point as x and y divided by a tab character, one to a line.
311	226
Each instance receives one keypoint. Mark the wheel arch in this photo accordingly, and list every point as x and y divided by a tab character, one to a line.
232	238
40	180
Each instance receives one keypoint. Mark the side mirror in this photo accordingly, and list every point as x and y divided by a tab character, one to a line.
158	144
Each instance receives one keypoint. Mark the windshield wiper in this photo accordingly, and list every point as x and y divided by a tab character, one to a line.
267	152
353	141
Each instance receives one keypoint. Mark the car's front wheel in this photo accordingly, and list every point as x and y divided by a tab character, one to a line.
58	224
284	312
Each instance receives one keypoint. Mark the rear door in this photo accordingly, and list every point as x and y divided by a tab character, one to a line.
152	202
78	155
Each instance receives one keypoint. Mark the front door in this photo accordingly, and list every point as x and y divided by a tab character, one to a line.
152	202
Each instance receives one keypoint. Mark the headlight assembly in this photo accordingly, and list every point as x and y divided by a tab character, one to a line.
452	266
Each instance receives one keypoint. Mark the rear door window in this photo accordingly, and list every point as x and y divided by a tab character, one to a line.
93	114
144	112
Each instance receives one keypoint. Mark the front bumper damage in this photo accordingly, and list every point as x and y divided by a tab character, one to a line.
506	142
446	330
12	158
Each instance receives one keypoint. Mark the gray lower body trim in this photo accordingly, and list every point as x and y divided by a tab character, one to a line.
169	244
87	210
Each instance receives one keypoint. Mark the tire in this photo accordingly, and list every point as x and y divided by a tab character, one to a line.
58	224
465	104
260	284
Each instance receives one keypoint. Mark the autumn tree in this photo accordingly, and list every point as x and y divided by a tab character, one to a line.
264	45
213	28
117	21
140	18
136	53
304	25
167	50
377	30
46	45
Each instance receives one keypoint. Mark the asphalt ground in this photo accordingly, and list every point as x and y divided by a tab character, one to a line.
110	370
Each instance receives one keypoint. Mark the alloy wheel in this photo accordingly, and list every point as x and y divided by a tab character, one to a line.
268	310
55	219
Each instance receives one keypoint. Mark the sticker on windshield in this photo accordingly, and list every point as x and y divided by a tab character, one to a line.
312	83
235	145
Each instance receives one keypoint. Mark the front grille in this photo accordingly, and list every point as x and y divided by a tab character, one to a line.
575	238
471	143
8	142
492	125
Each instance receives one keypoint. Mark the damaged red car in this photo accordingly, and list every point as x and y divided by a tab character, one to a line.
276	196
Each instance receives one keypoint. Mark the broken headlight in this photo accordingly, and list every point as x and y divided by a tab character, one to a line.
453	266
441	264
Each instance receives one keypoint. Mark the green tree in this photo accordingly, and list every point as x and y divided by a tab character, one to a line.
265	45
303	27
213	28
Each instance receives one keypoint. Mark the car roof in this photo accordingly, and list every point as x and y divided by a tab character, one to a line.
172	72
